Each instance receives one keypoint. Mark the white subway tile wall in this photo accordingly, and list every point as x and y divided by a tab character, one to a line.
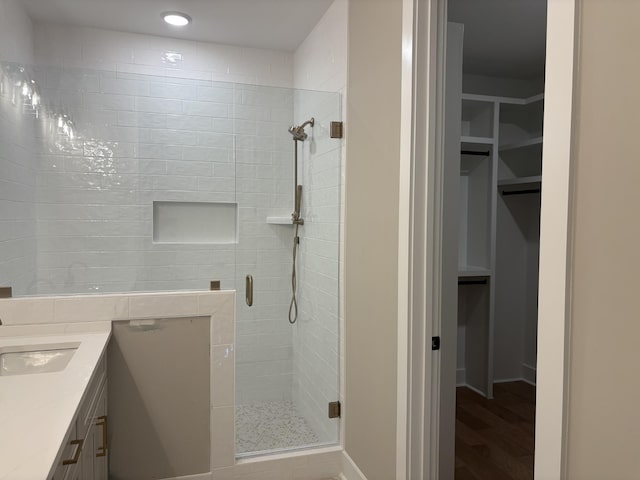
16	33
17	165
96	191
83	47
17	197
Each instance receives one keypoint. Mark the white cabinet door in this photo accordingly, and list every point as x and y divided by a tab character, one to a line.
100	438
87	456
84	453
71	453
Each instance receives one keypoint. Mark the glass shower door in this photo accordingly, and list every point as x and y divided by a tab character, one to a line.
287	367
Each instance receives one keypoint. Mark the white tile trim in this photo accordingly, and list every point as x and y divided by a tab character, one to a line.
93	308
289	455
316	464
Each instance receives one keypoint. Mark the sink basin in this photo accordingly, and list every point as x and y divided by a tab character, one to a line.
30	359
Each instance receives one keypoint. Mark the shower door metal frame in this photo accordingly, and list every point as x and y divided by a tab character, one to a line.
420	247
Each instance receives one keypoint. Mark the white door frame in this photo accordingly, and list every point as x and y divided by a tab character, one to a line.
420	218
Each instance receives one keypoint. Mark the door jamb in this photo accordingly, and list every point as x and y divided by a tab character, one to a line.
424	22
422	140
556	230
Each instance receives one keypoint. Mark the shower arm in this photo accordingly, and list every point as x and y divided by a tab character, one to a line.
308	122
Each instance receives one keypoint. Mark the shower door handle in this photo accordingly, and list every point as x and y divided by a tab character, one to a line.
248	287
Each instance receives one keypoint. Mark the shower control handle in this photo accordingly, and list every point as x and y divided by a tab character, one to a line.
249	290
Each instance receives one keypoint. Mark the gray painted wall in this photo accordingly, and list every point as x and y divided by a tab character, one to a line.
604	390
371	234
159	398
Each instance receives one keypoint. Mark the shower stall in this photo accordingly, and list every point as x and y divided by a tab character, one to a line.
119	182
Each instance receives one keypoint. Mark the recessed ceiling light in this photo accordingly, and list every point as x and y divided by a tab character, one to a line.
176	19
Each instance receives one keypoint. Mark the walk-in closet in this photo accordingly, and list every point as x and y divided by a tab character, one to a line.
497	118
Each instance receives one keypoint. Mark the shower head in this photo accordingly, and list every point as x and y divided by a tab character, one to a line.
298	132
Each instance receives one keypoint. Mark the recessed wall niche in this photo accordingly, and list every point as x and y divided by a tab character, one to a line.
195	222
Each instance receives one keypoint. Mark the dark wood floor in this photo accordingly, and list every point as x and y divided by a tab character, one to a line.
494	438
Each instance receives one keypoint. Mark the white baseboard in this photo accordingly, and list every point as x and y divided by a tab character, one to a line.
461	375
509	380
199	476
350	470
527	377
474	389
529	374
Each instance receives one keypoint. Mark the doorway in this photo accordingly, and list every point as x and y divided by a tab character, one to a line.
429	428
495	144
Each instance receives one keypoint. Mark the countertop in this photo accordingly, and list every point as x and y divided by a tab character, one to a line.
37	410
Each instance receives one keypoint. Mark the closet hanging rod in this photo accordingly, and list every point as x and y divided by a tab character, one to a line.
475	153
521	192
473	282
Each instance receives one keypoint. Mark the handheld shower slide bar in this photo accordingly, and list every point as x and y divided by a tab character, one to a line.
299	135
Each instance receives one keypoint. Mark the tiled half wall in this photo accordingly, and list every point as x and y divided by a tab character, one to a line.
319	464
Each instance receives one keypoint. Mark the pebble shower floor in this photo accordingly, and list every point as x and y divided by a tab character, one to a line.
271	426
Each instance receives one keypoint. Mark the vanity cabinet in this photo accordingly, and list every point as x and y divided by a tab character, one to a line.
84	452
100	438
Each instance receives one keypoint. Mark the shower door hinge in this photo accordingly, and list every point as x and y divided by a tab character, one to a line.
334	409
435	343
336	130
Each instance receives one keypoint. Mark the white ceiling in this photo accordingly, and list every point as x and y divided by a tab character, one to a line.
276	24
503	38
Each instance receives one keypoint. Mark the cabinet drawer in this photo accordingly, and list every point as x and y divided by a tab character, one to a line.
85	413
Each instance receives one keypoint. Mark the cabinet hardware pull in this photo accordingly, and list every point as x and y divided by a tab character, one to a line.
249	290
102	422
76	455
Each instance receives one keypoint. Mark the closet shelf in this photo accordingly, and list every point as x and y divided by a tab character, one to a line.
500	99
532	142
501	137
473	271
477	140
532	181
